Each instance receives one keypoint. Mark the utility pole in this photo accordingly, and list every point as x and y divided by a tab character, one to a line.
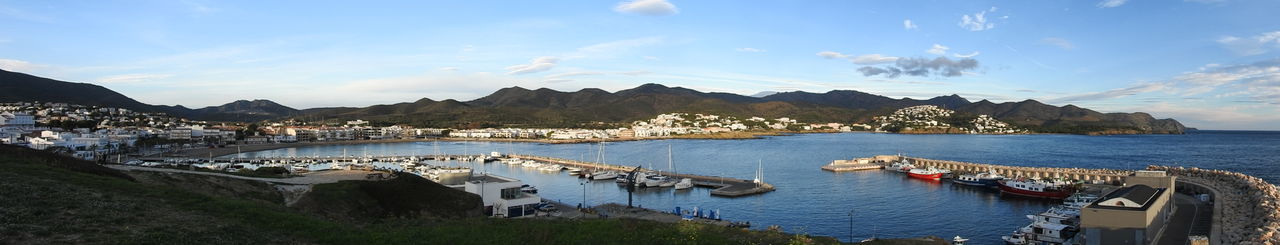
850	225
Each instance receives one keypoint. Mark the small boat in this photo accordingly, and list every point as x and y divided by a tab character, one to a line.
528	189
685	183
1036	188
575	171
987	179
655	180
604	175
622	178
900	166
926	173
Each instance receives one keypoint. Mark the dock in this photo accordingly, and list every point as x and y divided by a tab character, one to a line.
722	186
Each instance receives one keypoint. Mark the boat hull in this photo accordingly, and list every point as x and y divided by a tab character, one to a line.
934	176
981	182
1060	194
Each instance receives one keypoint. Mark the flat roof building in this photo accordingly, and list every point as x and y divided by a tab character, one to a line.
1133	214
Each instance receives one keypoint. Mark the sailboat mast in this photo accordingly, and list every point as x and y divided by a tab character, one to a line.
670	165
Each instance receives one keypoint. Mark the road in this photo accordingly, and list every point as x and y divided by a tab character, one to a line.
1190	214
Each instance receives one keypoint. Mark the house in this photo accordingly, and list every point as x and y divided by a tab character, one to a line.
17	120
1133	214
502	196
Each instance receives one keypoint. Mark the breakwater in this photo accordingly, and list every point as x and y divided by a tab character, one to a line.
722	186
1096	176
1246	208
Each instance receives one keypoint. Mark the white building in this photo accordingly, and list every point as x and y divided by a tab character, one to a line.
502	196
17	120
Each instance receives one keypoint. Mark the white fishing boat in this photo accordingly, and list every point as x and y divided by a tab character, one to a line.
684	184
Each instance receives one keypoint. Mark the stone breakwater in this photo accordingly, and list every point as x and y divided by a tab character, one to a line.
1250	206
1096	176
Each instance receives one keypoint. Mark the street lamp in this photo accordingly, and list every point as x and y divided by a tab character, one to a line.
584	194
851	225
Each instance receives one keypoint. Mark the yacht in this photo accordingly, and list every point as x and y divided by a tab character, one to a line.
604	175
1036	188
684	183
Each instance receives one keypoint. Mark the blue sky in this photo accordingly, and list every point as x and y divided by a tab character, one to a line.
1209	64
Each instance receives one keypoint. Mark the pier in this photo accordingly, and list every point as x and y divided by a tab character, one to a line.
723	186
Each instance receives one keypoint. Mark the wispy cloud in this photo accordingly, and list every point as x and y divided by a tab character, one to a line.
539	64
1111	3
1111	94
970	55
866	59
132	78
1258	44
908	25
938	49
613	48
647	7
19	66
832	55
750	50
1057	41
977	22
22	15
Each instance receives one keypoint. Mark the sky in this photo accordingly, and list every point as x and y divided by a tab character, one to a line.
1211	64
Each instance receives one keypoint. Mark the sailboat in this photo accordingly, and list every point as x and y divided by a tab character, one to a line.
683	183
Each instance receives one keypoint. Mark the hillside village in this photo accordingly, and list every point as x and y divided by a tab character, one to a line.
932	119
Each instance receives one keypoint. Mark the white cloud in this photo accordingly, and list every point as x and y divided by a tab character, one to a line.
132	78
971	55
1111	94
572	74
450	68
18	66
750	50
1111	3
1057	41
907	24
868	59
613	48
872	59
938	49
832	55
650	58
977	22
647	7
1260	80
539	64
1259	44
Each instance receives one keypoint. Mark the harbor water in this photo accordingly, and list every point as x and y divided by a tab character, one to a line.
885	204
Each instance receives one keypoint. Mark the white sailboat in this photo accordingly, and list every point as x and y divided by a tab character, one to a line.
682	183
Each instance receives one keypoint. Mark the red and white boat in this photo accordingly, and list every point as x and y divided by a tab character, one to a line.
925	173
1036	188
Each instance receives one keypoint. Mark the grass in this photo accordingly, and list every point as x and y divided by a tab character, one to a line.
49	199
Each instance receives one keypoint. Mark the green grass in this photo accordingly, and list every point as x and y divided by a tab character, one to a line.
46	204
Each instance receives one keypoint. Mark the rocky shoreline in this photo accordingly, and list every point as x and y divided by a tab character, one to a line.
1250	205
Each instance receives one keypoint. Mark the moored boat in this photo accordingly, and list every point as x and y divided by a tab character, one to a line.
987	179
685	183
925	173
1036	188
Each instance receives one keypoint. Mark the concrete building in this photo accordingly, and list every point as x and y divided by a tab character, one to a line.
17	120
1133	214
502	196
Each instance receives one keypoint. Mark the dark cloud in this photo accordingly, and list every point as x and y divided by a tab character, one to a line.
923	67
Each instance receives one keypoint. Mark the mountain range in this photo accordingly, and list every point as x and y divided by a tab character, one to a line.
521	107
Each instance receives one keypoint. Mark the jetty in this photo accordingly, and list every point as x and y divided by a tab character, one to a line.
1095	176
722	186
320	159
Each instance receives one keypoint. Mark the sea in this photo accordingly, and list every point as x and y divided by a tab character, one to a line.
850	206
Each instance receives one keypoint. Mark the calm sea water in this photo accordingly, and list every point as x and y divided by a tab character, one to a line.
809	200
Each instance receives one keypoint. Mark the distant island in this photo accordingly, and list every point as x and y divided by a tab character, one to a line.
595	108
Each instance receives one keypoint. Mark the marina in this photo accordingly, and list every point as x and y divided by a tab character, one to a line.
828	196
